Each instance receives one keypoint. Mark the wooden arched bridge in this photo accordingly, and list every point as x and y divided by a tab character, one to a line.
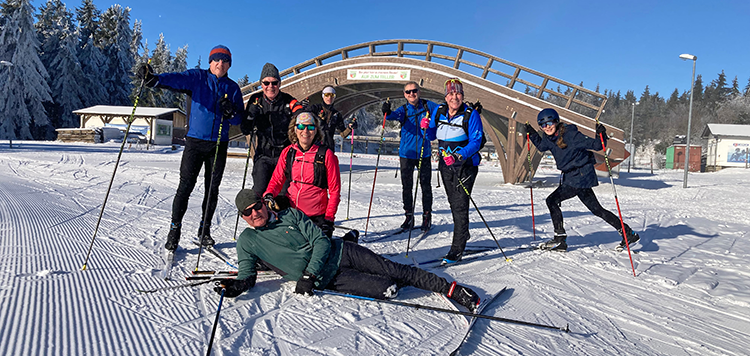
511	94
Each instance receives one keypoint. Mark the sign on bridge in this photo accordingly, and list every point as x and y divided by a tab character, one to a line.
378	74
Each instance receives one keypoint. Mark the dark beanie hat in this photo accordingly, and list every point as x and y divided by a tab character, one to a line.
269	70
220	53
245	198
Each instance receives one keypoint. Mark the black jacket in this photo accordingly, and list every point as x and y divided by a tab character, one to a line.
272	124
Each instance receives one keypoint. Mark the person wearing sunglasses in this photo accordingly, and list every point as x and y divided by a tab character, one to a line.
574	157
458	129
413	147
290	244
269	113
216	103
330	118
310	171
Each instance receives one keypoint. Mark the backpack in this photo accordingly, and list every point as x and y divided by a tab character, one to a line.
443	109
406	115
320	173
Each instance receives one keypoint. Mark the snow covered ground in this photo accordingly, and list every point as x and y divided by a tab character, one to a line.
691	295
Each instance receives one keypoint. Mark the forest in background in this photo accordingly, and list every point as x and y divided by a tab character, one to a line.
65	60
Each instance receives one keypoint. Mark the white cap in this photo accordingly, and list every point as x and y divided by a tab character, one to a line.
328	90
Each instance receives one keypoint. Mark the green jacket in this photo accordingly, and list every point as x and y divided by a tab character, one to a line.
293	244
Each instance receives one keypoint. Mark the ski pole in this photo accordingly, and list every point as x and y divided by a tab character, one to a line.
351	159
531	186
244	178
419	175
216	322
208	193
444	310
114	171
173	287
461	183
380	145
617	201
438	176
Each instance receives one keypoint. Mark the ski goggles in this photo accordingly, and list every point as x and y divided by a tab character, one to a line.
249	211
329	95
270	83
547	124
309	127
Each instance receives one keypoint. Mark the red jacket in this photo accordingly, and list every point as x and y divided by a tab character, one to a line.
302	194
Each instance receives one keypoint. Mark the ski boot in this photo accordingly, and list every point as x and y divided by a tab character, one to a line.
464	296
632	237
205	239
173	238
452	257
558	243
409	222
426	221
351	236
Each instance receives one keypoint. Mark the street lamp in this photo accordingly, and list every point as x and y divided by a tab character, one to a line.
690	117
632	146
8	64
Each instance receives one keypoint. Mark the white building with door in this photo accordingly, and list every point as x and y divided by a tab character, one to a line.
727	145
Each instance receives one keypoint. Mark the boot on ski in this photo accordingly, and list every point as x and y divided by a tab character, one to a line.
631	236
204	236
452	257
351	236
173	237
409	222
558	243
426	221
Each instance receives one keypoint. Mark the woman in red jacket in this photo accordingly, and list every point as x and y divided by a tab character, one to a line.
312	172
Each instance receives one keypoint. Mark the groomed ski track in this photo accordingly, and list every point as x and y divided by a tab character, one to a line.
690	296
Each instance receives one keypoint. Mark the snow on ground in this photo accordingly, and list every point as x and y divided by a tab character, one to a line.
690	295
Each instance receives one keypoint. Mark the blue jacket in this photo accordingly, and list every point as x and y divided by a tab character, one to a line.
205	90
411	133
452	138
575	161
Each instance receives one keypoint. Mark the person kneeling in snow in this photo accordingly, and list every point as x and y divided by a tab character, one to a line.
299	251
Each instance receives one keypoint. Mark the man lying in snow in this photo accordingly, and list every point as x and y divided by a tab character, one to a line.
294	247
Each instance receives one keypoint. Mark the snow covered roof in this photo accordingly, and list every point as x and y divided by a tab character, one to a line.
125	111
725	130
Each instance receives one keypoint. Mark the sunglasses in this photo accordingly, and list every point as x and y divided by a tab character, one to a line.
547	124
301	127
412	91
329	95
273	83
249	211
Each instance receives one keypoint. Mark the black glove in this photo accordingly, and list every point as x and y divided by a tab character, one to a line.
305	102
234	287
146	73
353	123
477	107
227	108
600	129
327	228
252	110
528	129
305	284
386	108
268	199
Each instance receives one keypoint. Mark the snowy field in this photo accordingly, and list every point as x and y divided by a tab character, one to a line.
690	296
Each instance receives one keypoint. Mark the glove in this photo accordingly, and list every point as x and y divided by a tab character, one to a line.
327	228
253	110
451	159
227	107
305	284
386	108
425	123
268	199
305	102
527	128
234	287
477	107
353	124
600	129
146	73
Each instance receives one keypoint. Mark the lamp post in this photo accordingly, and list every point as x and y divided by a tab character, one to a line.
690	118
8	64
632	146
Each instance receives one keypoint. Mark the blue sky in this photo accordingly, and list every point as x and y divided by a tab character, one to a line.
617	45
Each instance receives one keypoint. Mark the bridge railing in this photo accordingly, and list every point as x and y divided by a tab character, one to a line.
495	69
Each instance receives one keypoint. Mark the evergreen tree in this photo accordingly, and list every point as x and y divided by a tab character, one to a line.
179	64
88	22
735	91
23	87
244	81
93	64
116	37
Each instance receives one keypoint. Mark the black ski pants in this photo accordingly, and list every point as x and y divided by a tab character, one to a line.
364	273
587	197
425	182
197	154
263	167
458	198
